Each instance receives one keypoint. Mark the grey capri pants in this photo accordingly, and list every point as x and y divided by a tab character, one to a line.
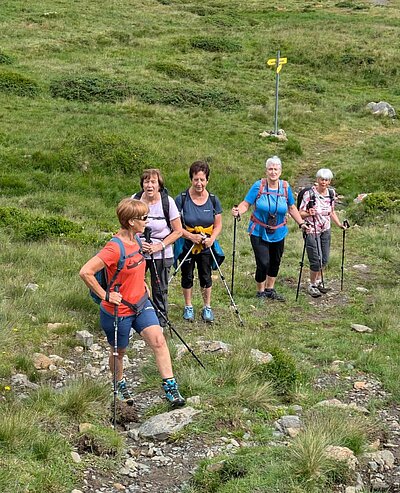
324	246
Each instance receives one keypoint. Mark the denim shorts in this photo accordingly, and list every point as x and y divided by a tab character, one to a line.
146	318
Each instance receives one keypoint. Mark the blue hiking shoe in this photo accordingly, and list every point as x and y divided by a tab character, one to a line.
188	314
207	315
123	393
172	393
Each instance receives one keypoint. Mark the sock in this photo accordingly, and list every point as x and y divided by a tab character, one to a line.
188	306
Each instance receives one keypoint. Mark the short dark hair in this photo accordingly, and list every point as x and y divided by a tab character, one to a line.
148	173
198	166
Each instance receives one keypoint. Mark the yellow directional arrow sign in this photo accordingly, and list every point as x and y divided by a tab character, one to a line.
272	62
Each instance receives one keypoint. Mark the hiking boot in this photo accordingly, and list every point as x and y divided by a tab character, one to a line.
188	313
172	393
322	289
260	295
207	315
123	392
313	291
271	294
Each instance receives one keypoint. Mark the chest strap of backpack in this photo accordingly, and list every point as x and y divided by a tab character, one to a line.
137	307
261	191
255	221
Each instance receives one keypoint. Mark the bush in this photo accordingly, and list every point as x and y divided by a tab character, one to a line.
292	148
308	85
6	59
188	96
41	228
90	89
13	186
14	83
374	206
216	44
282	371
176	71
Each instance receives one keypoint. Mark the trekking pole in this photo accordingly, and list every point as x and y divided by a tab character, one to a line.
180	263
172	328
147	237
319	253
235	221
345	223
115	354
226	287
301	265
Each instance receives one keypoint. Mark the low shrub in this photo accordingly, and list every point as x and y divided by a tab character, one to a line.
374	206
188	96
176	71
216	44
12	185
282	371
308	85
15	83
41	228
90	89
292	148
30	227
6	59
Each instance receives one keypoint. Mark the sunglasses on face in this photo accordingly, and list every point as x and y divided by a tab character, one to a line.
142	218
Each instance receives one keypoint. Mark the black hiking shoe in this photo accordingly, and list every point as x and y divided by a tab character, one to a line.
172	393
323	289
123	393
271	294
260	295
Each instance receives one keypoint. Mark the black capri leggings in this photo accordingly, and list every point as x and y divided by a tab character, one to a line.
203	261
268	257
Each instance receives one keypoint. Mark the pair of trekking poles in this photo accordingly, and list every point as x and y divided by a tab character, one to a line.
319	253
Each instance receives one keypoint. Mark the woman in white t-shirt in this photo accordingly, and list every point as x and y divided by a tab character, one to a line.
318	209
163	228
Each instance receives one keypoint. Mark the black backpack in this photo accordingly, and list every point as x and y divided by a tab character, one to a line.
331	192
164	203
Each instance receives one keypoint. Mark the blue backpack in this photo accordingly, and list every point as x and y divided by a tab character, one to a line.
101	275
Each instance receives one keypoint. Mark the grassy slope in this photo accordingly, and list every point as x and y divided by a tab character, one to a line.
67	158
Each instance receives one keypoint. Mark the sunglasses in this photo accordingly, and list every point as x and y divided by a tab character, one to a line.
142	218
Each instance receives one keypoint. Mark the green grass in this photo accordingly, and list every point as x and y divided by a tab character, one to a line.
89	97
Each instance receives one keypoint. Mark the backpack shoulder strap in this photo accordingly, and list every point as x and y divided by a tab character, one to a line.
285	189
183	200
165	206
331	192
138	195
213	201
121	261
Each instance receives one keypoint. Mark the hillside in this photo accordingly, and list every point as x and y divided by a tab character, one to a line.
90	95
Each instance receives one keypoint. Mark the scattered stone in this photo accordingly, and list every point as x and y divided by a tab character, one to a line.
84	427
76	491
342	454
260	357
379	485
361	328
289	425
360	385
382	109
76	457
360	197
31	287
280	135
341	405
362	290
384	457
163	425
41	361
85	337
361	267
214	346
193	401
56	325
181	350
22	380
119	486
350	489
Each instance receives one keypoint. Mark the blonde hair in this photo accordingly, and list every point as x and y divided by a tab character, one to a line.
129	209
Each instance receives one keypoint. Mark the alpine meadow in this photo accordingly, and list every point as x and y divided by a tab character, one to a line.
304	396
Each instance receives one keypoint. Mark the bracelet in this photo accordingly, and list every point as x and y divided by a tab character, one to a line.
301	224
163	245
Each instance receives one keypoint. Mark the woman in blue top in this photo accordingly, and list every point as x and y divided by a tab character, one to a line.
272	199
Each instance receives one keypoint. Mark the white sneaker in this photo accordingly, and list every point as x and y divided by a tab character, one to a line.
313	291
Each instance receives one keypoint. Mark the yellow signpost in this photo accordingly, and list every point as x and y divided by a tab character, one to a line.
278	63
